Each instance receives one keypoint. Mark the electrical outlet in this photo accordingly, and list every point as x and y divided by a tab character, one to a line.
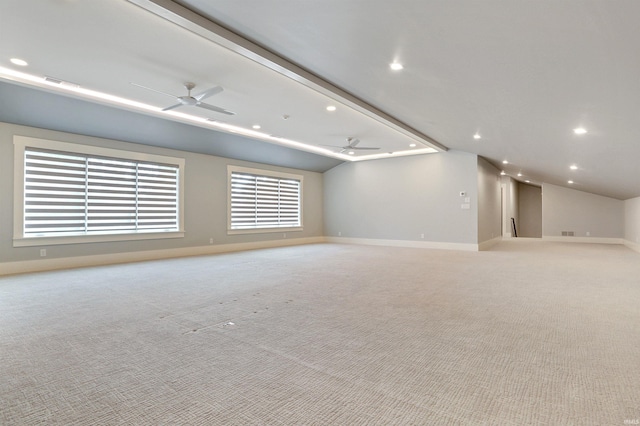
339	234
210	240
43	252
422	236
588	234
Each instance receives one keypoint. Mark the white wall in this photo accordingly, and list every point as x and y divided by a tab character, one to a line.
488	201
565	209
632	223
402	198
205	202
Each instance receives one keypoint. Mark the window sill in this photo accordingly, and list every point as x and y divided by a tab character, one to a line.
105	238
262	230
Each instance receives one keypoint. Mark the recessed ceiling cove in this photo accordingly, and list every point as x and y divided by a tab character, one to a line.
164	60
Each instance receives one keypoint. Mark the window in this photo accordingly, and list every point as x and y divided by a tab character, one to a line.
264	201
69	193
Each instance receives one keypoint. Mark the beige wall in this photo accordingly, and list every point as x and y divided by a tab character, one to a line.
488	201
529	211
587	215
404	198
205	201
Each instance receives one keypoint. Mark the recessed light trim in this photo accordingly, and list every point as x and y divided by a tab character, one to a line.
331	108
412	145
580	131
256	126
503	173
519	174
19	62
396	66
477	136
505	162
573	167
569	182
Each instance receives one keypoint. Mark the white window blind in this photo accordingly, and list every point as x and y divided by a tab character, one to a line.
260	202
78	194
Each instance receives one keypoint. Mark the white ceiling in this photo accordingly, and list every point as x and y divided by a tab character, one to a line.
520	73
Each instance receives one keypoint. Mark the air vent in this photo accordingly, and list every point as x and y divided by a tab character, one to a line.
568	233
54	80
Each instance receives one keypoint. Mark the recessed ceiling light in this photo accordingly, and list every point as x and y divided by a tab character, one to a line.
569	181
412	145
580	131
351	152
396	66
502	173
331	108
18	61
476	136
505	162
519	174
527	181
573	167
256	126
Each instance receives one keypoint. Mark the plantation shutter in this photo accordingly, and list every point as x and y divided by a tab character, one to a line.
73	194
264	201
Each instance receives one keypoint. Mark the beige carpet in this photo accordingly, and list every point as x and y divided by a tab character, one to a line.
527	333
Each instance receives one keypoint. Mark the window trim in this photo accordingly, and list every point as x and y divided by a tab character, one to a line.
20	143
267	173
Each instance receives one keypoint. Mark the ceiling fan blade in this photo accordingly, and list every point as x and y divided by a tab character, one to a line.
363	147
353	142
214	108
171	107
153	90
209	92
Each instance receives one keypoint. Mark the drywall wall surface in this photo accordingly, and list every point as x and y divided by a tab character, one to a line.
404	198
587	215
205	210
488	201
529	224
632	220
510	208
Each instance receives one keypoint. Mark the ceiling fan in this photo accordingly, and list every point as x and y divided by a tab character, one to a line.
195	100
352	144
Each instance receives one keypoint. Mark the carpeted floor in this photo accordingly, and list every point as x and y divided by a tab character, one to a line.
527	333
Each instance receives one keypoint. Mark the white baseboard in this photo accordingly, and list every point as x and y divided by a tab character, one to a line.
403	243
39	265
592	240
486	245
633	246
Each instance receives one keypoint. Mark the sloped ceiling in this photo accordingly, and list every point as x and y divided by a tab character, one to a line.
520	74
